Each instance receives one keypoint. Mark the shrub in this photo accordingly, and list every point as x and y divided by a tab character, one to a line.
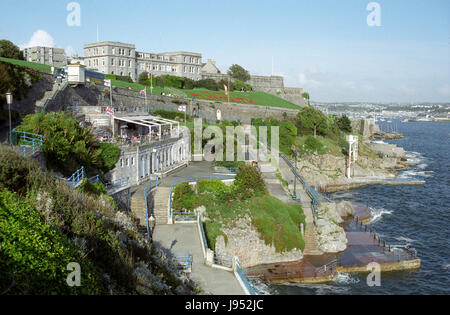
344	124
184	198
249	182
35	255
313	144
96	189
67	146
110	154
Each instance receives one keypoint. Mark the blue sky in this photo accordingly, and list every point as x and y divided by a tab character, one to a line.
324	46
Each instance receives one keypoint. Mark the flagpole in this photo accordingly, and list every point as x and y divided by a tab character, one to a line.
229	89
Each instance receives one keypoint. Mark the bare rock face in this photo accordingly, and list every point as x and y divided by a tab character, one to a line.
244	242
345	209
331	236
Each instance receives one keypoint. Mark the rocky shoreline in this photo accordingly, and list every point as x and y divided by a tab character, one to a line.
327	173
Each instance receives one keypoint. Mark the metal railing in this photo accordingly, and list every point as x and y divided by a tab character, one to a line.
312	193
116	184
30	142
203	235
75	179
223	260
245	279
183	259
149	187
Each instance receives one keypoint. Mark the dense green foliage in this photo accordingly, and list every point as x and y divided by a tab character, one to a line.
312	120
109	154
239	85
239	73
287	132
34	256
344	124
45	224
96	189
277	222
9	50
127	79
313	144
19	81
67	146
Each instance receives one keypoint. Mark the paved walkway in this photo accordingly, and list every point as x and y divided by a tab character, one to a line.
185	237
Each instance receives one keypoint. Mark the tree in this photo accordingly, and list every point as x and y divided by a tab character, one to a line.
238	73
9	50
345	124
312	119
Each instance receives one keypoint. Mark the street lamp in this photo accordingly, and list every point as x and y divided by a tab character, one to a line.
9	100
152	225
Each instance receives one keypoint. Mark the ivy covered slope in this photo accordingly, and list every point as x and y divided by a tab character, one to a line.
45	225
277	223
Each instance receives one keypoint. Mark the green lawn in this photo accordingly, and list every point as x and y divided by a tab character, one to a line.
32	65
252	98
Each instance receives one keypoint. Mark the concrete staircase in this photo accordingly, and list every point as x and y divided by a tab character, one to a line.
137	205
161	204
49	95
311	246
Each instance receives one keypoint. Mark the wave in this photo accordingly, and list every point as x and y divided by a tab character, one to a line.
417	173
345	278
378	213
405	239
415	158
321	289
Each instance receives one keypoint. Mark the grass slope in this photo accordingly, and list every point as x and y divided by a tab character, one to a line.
32	65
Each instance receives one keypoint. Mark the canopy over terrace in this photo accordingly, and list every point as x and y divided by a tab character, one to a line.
151	126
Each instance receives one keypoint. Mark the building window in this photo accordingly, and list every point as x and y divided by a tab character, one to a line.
112	62
121	162
128	162
113	51
132	161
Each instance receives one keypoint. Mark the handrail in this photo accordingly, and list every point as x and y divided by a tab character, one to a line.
151	185
245	279
30	139
76	177
312	193
205	241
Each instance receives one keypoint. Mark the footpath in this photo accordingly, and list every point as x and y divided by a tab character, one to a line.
185	238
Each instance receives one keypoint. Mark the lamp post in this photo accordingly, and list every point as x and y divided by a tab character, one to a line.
152	225
9	100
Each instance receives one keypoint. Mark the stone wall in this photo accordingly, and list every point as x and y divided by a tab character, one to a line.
366	127
123	98
27	105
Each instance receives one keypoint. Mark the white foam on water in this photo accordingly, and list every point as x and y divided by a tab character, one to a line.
263	289
415	158
405	239
417	173
321	289
345	278
378	213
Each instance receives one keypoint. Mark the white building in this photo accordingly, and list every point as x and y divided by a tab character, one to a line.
55	57
123	60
